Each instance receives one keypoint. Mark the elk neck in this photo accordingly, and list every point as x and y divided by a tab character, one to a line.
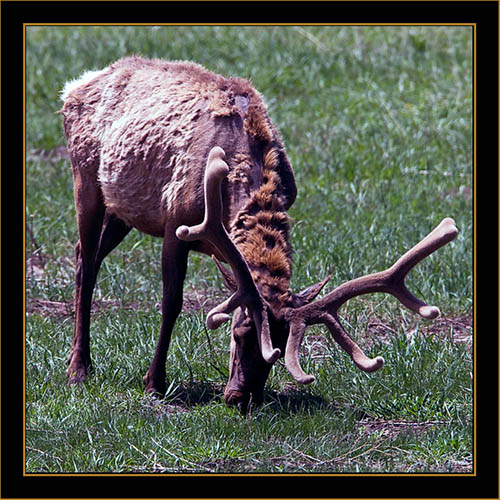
261	231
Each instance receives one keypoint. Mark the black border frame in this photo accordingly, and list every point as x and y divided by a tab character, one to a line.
484	484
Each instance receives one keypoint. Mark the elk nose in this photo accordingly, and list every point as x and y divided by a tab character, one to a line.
238	399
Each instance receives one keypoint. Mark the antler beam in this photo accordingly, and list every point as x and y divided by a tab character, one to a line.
389	281
213	231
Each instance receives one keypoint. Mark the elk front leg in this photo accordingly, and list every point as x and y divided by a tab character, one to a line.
174	265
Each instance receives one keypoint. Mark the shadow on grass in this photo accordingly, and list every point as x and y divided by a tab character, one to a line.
197	393
295	401
190	394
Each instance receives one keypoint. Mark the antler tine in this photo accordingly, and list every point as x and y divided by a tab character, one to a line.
392	280
358	356
445	232
389	281
297	330
213	231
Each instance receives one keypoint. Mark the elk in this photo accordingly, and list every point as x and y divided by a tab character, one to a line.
184	154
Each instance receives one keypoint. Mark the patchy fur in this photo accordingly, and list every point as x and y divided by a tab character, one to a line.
144	127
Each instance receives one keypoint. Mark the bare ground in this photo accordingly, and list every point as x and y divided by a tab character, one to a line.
193	302
458	327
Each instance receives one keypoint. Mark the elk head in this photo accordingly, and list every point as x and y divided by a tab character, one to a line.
264	330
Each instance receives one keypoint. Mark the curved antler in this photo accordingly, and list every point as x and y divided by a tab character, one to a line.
389	281
213	231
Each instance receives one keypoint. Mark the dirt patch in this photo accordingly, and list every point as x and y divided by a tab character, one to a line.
64	309
204	300
388	430
459	328
35	266
391	428
193	302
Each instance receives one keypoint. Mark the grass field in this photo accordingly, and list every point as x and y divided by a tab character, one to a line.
377	122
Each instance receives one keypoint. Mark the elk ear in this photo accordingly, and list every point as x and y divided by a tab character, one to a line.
227	275
309	294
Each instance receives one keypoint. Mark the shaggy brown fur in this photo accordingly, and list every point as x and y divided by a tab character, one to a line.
261	231
139	133
146	126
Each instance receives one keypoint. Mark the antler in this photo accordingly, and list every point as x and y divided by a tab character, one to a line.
213	231
389	281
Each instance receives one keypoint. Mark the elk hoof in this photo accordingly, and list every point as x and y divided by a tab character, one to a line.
77	373
154	386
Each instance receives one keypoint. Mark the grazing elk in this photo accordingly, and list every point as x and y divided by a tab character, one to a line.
190	156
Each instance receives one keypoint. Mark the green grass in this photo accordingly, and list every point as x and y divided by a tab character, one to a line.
377	122
109	425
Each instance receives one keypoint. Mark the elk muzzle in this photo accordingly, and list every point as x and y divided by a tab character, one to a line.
248	371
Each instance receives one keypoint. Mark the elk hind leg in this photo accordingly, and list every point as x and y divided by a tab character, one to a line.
88	264
90	214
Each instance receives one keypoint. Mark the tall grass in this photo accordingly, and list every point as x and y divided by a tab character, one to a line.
377	122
